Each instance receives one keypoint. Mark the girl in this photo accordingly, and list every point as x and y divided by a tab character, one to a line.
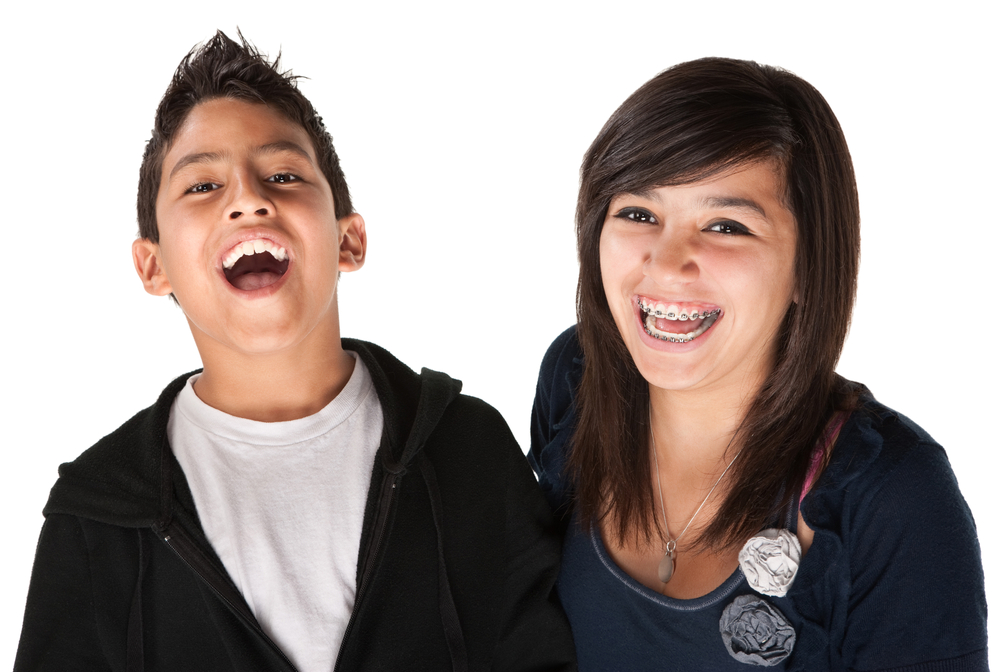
730	500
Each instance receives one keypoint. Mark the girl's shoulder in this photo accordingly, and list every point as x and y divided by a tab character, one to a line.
880	452
553	416
895	537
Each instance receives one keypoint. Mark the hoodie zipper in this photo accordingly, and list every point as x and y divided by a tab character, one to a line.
386	500
210	580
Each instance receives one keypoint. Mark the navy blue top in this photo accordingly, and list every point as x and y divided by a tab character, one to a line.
893	580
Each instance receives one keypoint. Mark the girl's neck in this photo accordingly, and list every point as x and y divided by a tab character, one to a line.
695	430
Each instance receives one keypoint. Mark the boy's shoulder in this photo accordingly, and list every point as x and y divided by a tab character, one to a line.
119	479
427	408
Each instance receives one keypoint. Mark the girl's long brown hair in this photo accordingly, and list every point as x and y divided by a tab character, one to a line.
692	121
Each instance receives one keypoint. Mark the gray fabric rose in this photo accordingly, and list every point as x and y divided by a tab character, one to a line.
756	633
769	561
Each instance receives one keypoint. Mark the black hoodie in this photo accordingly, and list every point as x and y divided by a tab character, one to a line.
456	568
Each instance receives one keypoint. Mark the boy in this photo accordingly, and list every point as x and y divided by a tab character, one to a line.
303	502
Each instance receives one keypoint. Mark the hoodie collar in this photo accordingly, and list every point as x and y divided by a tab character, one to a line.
119	479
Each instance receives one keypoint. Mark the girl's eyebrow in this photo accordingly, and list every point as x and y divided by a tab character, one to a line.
734	202
647	194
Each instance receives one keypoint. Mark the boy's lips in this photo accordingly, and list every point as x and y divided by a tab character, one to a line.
254	263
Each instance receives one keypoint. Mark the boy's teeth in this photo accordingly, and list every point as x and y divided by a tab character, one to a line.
254	247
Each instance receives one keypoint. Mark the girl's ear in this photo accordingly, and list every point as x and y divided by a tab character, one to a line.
353	242
146	257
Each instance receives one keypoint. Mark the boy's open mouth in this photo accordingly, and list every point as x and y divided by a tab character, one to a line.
676	323
254	264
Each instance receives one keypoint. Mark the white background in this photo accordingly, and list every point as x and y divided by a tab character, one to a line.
461	128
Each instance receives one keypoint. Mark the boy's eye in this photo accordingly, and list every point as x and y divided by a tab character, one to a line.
283	178
639	215
203	188
728	227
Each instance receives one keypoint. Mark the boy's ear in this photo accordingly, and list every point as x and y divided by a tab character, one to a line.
353	242
146	257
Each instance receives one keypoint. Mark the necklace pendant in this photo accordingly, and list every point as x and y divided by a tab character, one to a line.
666	568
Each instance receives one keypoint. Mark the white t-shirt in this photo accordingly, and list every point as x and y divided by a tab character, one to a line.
282	504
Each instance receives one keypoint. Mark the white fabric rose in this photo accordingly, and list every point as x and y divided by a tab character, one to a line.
769	561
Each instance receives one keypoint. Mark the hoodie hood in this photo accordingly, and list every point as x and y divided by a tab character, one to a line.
117	482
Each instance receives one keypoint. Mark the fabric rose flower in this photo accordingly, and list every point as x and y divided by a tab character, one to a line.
770	560
756	633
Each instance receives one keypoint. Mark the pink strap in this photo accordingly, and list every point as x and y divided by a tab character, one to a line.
820	452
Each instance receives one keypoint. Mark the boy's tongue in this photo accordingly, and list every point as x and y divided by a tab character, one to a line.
254	271
677	326
250	281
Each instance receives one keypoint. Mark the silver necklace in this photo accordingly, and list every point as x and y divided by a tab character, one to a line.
666	569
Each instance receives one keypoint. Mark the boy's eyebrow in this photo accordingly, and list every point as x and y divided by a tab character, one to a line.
269	148
199	157
282	146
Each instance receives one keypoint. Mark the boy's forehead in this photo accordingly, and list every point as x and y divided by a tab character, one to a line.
222	128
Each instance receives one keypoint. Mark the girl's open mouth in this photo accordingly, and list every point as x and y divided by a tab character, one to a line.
255	264
676	323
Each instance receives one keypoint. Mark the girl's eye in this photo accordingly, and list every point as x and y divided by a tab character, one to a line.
203	188
639	215
283	178
729	227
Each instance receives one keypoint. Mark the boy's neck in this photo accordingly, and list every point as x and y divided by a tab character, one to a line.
275	386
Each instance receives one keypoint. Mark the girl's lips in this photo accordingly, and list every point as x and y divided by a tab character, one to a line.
675	326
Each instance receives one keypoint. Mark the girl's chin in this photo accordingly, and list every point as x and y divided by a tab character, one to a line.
673	379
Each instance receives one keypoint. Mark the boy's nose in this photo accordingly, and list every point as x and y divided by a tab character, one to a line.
236	214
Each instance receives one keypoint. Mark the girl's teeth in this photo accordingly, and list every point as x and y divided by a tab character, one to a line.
673	311
650	325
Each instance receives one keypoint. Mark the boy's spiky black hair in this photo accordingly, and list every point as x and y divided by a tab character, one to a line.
224	68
